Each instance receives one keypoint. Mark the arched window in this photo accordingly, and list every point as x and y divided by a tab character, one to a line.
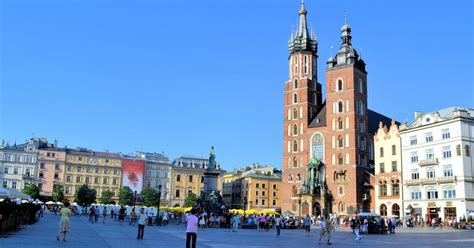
295	84
295	129
295	146
290	178
295	98
339	123
383	210
306	64
342	207
295	162
340	142
295	114
339	85
298	177
340	107
396	210
361	86
294	191
339	159
317	146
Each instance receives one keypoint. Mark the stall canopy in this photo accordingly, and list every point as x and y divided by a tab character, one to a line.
13	194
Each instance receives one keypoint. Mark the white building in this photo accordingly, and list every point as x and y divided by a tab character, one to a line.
18	164
158	172
437	164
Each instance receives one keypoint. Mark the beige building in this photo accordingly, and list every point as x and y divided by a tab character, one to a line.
51	161
388	171
100	170
187	175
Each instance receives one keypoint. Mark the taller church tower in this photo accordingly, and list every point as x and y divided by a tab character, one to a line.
302	101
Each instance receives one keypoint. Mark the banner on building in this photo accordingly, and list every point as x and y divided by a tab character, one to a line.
133	173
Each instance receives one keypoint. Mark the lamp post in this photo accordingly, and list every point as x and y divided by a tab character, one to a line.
134	198
158	222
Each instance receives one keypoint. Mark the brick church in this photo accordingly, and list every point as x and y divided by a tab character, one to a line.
328	144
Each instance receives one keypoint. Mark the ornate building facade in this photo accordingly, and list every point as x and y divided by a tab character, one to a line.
327	144
388	171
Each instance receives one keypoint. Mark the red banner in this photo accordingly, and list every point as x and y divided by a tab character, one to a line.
133	173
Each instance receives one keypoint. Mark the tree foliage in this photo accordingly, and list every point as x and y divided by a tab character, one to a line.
85	196
150	197
106	197
126	196
32	190
58	192
190	200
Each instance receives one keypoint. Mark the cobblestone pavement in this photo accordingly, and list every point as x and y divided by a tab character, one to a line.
113	234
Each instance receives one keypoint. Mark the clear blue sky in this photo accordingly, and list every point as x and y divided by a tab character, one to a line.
180	76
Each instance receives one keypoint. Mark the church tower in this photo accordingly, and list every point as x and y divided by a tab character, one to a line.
302	100
347	151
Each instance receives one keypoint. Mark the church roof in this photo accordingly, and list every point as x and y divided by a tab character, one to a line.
320	119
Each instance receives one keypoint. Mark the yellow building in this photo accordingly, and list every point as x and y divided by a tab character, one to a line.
187	175
253	187
99	170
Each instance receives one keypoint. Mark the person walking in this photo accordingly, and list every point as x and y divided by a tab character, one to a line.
91	214
278	224
191	229
329	230
96	214
235	222
307	224
322	231
104	214
64	223
141	223
133	217
356	227
150	217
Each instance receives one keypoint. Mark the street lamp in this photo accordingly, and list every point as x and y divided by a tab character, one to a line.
159	197
158	222
134	198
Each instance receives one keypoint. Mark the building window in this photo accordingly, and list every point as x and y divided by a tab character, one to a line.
295	129
298	177
449	193
339	159
190	189
294	191
79	168
339	85
447	152
448	170
382	167
341	190
429	154
87	180
190	178
177	193
256	192
295	98
295	84
430	173
106	161
415	194
290	178
394	150
79	158
5	170
381	152
295	114
263	185
114	181
15	170
257	185
202	179
413	140
274	202
339	124
178	178
105	181
78	179
68	179
396	188
383	189
432	193
115	171
317	144
96	180
340	107
467	151
429	137
42	165
97	170
414	157
415	174
295	146
445	133
263	193
56	175
394	166
340	142
67	190
106	170
5	184
274	187
13	185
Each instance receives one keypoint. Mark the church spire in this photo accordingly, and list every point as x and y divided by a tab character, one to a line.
303	27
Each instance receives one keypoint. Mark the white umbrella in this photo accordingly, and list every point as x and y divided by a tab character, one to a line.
50	202
5	193
59	203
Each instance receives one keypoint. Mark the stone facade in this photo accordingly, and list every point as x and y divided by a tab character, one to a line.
388	171
158	172
51	165
437	163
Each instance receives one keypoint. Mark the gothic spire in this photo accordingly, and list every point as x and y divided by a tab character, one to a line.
302	40
303	27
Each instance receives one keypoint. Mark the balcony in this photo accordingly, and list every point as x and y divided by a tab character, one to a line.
27	177
435	180
433	161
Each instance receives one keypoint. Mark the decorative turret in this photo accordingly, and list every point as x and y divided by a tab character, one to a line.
301	40
346	55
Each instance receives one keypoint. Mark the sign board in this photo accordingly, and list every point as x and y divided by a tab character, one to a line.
132	175
431	204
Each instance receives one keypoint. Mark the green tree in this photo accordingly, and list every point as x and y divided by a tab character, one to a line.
190	200
58	192
150	197
32	190
85	196
106	197
126	196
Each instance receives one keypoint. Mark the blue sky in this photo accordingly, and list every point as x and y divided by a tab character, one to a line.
180	76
